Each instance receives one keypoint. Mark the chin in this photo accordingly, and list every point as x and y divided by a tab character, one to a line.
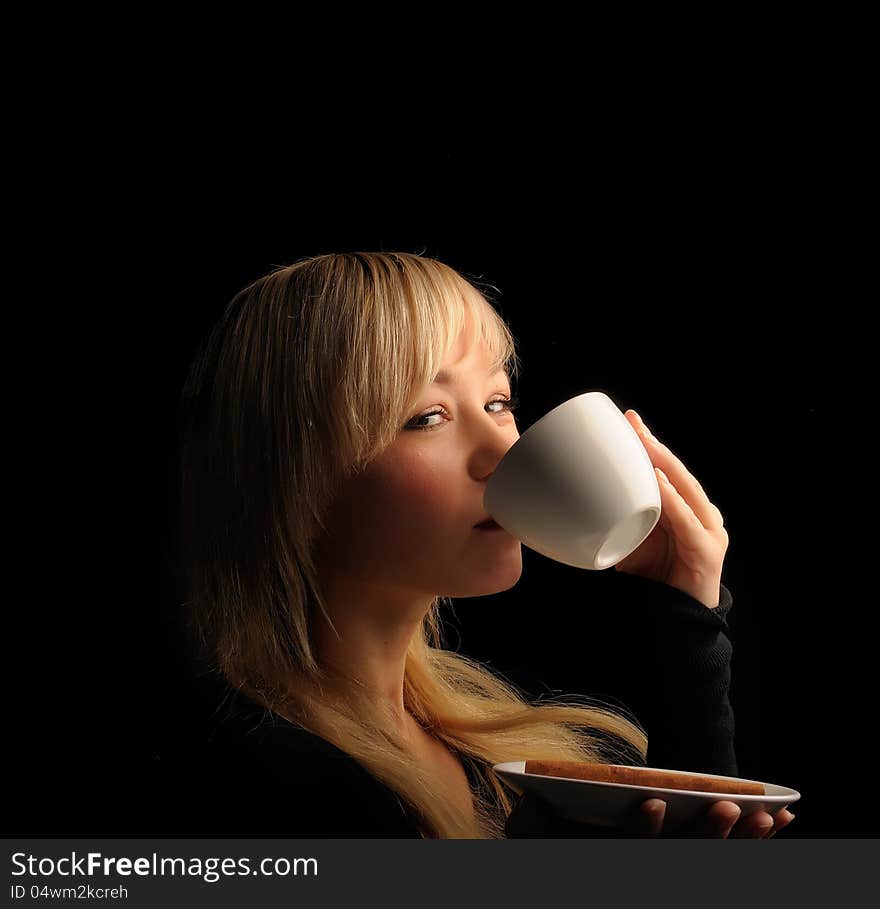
503	578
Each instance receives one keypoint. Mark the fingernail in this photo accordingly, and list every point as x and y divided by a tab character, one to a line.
732	817
647	431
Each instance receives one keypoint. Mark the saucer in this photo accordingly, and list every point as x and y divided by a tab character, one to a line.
613	804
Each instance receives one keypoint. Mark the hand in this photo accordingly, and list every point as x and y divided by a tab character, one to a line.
686	547
534	817
723	820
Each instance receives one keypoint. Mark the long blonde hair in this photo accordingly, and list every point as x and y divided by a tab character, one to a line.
309	373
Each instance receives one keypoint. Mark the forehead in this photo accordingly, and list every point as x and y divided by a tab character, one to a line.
446	376
467	357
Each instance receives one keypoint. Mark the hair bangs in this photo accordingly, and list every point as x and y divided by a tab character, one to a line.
446	307
418	310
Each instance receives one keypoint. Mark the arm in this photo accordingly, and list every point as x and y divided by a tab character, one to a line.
687	711
679	677
677	685
676	571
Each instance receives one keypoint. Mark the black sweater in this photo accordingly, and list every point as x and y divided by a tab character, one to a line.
242	771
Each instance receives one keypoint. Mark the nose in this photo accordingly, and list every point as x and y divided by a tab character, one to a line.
492	442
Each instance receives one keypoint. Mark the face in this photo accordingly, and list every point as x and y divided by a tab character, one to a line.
406	524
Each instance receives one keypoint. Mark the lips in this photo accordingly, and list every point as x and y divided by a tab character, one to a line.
489	522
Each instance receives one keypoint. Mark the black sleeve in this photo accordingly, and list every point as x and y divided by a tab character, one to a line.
687	714
251	773
673	676
275	785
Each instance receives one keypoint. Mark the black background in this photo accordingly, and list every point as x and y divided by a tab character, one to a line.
695	275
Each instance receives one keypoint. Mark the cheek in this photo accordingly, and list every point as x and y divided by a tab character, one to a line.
418	499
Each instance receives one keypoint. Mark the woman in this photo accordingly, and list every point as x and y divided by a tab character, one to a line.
339	426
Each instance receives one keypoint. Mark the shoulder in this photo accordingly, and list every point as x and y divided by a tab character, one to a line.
256	773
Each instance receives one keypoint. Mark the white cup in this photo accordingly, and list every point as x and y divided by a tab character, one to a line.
578	485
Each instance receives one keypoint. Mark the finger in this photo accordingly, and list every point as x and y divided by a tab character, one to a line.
681	521
755	826
720	819
687	485
648	819
780	821
682	479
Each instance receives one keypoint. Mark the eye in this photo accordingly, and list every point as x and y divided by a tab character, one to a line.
509	404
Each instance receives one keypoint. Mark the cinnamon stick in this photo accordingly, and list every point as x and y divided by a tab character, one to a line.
640	776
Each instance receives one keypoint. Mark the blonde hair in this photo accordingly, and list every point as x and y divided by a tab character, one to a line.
309	373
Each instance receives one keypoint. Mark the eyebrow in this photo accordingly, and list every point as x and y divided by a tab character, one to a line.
444	377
